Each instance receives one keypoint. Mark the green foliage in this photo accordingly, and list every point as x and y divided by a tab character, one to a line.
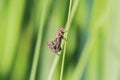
92	49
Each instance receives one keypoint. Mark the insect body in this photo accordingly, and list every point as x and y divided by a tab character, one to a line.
55	45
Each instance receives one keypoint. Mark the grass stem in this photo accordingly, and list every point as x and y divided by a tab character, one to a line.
38	43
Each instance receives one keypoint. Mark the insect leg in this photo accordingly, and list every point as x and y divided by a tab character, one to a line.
64	38
57	53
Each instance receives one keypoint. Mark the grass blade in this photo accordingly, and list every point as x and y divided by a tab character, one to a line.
70	17
38	44
67	27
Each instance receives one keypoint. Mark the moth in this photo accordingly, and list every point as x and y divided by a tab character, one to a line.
55	45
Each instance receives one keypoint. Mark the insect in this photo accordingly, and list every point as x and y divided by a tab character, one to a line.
55	45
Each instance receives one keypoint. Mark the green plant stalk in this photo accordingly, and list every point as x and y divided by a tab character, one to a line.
53	67
70	17
57	58
67	29
75	5
38	44
63	60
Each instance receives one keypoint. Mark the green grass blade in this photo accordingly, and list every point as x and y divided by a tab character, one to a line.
38	43
53	67
67	27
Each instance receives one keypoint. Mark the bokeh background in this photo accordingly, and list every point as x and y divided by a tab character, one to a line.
93	40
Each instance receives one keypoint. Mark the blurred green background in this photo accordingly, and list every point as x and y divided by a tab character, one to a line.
92	49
